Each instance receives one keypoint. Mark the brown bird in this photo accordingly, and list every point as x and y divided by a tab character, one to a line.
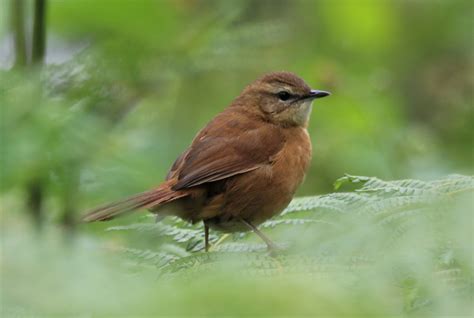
242	168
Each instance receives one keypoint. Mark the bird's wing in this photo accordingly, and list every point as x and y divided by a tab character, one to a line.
174	170
224	149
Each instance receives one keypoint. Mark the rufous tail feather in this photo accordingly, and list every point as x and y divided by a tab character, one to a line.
145	200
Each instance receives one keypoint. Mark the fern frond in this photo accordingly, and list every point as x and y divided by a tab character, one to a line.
385	210
337	202
178	234
412	187
139	227
237	247
295	221
155	258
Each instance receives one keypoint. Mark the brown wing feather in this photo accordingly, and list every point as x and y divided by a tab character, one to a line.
176	165
226	147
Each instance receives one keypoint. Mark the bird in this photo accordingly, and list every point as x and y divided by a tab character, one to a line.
242	168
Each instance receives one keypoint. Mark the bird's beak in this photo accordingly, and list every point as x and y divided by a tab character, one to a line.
314	93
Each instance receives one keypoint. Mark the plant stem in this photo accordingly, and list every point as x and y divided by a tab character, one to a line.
18	27
39	32
35	202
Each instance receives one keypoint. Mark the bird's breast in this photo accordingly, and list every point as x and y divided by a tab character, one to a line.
263	193
291	164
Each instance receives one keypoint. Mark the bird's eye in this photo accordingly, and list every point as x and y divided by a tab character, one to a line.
284	95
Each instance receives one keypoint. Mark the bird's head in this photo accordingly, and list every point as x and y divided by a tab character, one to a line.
282	98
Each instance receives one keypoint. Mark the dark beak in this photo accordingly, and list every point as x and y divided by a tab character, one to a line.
314	93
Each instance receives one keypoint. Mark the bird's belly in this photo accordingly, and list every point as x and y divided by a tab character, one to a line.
263	193
253	197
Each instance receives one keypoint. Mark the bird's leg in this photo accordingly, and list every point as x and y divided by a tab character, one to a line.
270	245
206	237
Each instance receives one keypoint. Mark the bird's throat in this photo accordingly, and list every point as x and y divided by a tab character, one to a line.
302	113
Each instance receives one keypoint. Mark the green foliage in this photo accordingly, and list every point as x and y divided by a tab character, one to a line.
376	203
134	94
389	247
383	228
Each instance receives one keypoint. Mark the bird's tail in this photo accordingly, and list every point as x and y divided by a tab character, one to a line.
145	200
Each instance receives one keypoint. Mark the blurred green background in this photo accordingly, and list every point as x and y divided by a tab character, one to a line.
125	85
